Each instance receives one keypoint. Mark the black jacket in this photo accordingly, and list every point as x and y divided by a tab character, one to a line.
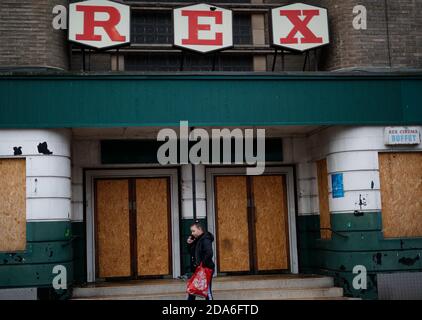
201	251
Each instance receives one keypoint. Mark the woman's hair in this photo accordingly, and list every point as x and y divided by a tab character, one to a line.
198	224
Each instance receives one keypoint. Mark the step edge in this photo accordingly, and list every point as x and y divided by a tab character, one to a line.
321	283
337	290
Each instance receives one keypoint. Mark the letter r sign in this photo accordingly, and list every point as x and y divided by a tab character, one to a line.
203	28
299	27
99	23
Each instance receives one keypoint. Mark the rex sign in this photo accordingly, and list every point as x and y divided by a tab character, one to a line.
299	27
203	28
99	23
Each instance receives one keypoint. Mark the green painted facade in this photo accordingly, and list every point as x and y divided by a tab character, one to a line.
48	244
110	100
360	242
79	252
75	100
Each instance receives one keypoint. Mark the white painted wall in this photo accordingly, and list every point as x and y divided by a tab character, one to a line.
48	182
352	151
85	154
187	203
306	178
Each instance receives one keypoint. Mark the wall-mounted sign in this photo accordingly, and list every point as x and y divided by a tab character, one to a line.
337	185
299	27
203	28
99	23
402	135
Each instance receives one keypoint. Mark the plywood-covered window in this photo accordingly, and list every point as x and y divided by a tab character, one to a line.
401	194
12	205
324	210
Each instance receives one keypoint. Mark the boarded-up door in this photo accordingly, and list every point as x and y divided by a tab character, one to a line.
232	224
271	225
133	227
401	194
112	223
12	205
153	225
252	224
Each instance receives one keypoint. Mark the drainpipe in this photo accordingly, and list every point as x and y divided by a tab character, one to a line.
193	189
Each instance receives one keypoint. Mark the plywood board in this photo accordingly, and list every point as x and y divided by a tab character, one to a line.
12	205
232	223
153	227
271	222
324	210
401	194
112	227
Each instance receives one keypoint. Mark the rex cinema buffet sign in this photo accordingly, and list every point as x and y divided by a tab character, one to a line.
200	27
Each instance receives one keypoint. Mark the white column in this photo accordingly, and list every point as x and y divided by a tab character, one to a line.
187	204
353	152
48	182
85	153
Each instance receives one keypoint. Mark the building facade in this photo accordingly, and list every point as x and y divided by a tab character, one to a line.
82	187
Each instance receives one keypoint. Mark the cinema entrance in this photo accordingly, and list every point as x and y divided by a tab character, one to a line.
253	220
132	224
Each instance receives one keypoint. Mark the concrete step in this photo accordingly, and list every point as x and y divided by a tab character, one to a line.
173	286
240	294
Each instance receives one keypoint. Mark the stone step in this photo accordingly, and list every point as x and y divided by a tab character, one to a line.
241	294
150	287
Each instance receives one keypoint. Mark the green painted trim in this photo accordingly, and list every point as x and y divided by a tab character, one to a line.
364	245
48	244
214	100
31	275
79	252
39	252
210	75
345	280
380	261
43	231
368	221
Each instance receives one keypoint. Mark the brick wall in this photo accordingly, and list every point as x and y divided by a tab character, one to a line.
398	46
28	39
405	28
27	36
96	62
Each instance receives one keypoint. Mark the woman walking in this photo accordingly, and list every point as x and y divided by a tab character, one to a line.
200	248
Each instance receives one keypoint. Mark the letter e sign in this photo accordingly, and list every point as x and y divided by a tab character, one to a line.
203	28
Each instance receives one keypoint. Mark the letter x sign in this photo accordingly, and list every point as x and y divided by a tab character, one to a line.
203	28
299	27
99	23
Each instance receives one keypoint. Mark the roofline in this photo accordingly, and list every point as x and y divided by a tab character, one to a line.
63	75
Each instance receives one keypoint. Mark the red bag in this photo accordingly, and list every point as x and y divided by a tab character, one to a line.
199	282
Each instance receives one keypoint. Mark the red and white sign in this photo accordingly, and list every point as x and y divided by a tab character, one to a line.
99	23
203	28
300	27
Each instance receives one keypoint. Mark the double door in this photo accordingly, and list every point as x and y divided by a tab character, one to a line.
251	223
133	227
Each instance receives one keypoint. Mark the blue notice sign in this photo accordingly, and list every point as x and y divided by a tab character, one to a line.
337	185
